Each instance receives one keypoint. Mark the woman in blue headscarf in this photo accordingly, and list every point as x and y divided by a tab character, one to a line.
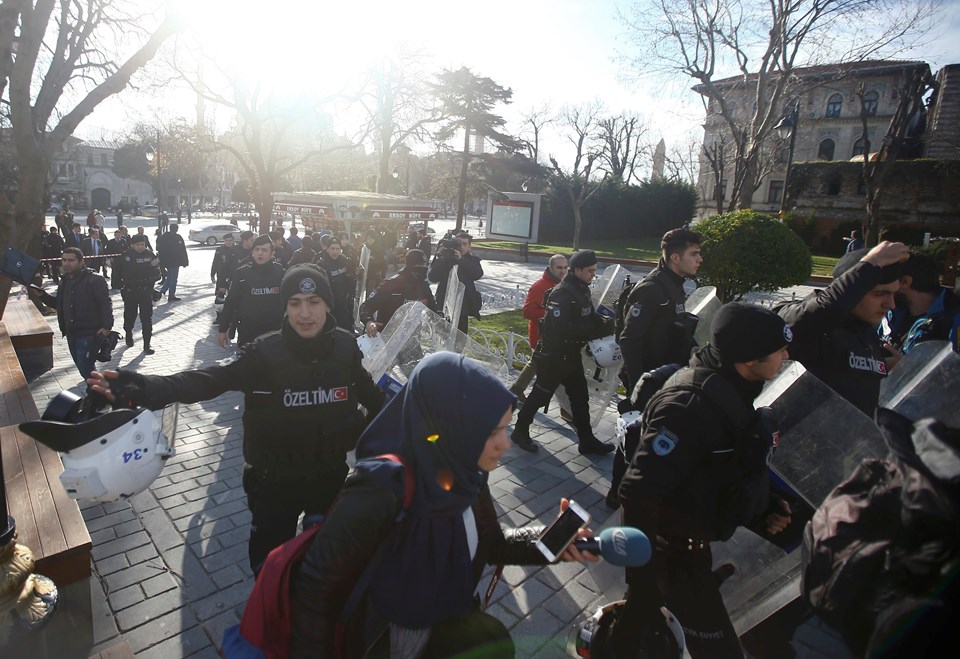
449	425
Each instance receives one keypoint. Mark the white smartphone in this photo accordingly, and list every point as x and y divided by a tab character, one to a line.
563	531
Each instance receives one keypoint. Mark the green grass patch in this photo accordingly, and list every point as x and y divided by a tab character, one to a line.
644	249
505	321
823	265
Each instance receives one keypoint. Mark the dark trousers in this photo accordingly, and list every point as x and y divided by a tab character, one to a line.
692	594
551	373
276	505
621	460
138	301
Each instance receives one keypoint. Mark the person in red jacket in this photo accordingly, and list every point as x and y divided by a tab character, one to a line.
533	311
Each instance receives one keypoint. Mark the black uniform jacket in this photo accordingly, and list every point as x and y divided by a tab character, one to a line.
343	285
138	270
571	319
254	300
363	517
301	397
392	293
469	271
841	350
224	264
653	334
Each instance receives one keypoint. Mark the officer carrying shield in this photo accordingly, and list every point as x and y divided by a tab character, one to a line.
302	385
139	270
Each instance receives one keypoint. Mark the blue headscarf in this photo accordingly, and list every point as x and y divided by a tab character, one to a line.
439	423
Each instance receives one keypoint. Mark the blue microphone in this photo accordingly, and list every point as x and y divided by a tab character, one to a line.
623	546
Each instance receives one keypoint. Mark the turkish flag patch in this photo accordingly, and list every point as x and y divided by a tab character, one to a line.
339	394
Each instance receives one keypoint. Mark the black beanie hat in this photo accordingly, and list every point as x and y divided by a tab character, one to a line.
583	259
263	240
743	332
138	238
306	278
888	274
414	258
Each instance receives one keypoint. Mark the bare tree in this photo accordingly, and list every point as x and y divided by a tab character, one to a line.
682	162
764	43
620	138
534	122
579	181
903	132
57	64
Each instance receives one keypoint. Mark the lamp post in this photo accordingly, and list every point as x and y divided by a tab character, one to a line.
154	152
788	126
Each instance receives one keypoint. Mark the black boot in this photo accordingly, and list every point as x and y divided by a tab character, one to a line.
146	343
593	446
129	334
521	437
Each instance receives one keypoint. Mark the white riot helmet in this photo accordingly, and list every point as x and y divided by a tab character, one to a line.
369	345
624	422
590	638
605	352
106	457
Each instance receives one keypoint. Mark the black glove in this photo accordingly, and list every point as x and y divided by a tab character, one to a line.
128	390
760	441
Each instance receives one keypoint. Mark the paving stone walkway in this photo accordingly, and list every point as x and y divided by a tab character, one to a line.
171	562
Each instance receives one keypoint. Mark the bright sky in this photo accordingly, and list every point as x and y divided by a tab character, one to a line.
547	51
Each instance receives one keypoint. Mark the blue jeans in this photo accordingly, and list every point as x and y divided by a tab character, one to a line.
82	350
171	283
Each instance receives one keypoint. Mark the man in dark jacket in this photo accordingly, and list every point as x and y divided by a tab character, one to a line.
139	270
836	327
569	323
306	253
74	237
225	260
140	232
53	246
84	309
423	242
655	332
342	283
282	251
409	284
254	302
303	388
469	271
116	246
926	311
92	249
699	473
173	256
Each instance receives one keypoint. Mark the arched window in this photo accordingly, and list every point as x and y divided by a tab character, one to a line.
834	183
834	105
870	103
858	148
825	152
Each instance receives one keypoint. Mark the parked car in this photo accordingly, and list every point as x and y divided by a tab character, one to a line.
149	211
211	234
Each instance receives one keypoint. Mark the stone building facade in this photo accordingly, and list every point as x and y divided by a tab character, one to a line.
83	174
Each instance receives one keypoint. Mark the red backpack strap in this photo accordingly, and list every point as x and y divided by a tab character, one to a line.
409	484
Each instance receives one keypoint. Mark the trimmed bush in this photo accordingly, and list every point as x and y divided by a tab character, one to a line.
746	250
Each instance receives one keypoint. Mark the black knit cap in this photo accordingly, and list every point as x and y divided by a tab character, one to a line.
888	274
414	258
263	240
138	238
743	332
306	278
583	259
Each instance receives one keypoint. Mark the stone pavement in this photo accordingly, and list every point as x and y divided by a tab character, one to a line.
171	563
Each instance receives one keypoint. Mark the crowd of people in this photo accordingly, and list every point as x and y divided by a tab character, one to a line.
690	472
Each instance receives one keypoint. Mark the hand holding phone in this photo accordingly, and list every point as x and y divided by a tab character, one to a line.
564	530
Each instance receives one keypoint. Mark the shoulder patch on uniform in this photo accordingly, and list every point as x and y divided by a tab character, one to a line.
556	313
664	442
635	311
787	333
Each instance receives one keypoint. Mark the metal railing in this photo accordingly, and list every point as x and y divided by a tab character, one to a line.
513	347
504	300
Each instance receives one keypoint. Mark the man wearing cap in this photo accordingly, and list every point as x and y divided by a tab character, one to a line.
836	327
570	322
926	311
700	472
225	260
409	284
303	386
342	283
253	301
139	270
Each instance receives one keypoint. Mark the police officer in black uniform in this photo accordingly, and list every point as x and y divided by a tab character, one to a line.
139	270
836	327
303	386
342	283
254	301
225	261
409	284
699	473
569	323
656	328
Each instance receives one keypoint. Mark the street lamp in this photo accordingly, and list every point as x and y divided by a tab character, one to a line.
151	153
525	185
788	126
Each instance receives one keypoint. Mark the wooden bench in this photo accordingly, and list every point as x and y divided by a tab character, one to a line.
30	333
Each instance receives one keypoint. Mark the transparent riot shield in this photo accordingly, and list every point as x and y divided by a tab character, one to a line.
607	286
823	438
362	284
414	332
703	303
453	302
924	384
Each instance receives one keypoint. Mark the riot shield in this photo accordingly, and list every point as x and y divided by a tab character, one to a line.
607	286
921	384
414	332
823	438
703	303
362	284
453	302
